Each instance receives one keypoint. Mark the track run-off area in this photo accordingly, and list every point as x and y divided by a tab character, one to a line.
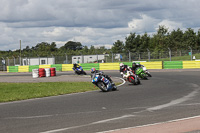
166	102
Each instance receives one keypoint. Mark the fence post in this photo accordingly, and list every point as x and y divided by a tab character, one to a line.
54	61
112	56
97	58
8	61
14	60
191	52
66	58
149	54
129	56
82	57
170	56
39	59
4	64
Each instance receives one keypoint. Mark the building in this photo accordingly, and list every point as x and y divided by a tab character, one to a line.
92	58
38	61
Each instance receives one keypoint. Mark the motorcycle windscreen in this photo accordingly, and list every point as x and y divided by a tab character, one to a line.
95	78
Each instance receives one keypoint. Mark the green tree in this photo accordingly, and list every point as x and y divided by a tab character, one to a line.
198	39
73	45
145	42
118	47
189	39
176	40
132	42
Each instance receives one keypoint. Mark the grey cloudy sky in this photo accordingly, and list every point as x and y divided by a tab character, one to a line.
91	22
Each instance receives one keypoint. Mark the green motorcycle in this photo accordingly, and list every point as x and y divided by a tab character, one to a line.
139	71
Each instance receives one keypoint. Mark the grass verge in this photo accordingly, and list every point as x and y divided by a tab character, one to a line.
22	91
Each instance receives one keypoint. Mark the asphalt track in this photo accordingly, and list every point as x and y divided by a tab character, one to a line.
169	95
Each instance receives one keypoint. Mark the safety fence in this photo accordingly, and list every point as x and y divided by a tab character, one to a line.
110	66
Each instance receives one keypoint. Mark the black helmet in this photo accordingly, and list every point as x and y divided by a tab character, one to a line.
75	65
134	64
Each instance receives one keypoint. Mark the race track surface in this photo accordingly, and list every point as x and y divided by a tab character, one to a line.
168	95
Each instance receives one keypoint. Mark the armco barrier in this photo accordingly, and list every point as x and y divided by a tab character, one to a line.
152	65
111	66
33	67
57	66
23	69
67	67
127	63
108	66
172	65
44	66
191	64
12	68
88	66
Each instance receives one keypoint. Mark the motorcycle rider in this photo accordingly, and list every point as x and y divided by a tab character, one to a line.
94	72
124	68
75	65
135	66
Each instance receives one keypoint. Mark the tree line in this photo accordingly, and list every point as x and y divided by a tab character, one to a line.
162	40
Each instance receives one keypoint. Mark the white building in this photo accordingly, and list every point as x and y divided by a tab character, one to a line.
38	61
92	58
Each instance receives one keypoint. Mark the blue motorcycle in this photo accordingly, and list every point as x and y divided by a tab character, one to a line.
79	70
103	83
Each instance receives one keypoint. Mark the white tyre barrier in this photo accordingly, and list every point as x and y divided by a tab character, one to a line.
47	71
35	73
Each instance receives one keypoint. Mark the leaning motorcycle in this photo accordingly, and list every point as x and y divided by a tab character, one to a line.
103	83
141	73
132	78
79	71
146	71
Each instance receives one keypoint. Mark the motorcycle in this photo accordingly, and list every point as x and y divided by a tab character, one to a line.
103	83
79	71
141	73
146	71
132	78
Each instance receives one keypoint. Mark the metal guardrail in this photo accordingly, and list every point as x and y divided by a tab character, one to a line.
99	58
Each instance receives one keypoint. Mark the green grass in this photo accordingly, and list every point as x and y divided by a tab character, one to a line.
177	58
22	91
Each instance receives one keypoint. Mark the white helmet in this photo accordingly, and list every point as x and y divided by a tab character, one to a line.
121	64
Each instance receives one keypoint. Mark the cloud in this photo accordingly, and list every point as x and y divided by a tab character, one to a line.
143	24
171	25
91	22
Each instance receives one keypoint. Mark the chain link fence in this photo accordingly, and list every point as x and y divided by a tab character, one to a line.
101	58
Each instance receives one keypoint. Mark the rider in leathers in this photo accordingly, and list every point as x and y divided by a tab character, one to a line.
135	66
94	72
123	69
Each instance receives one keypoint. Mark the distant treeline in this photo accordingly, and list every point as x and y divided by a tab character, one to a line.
163	40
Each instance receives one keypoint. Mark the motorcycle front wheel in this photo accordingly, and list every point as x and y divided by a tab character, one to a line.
84	73
149	74
102	86
131	79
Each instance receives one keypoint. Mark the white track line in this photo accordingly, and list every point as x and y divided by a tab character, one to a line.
176	120
121	83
